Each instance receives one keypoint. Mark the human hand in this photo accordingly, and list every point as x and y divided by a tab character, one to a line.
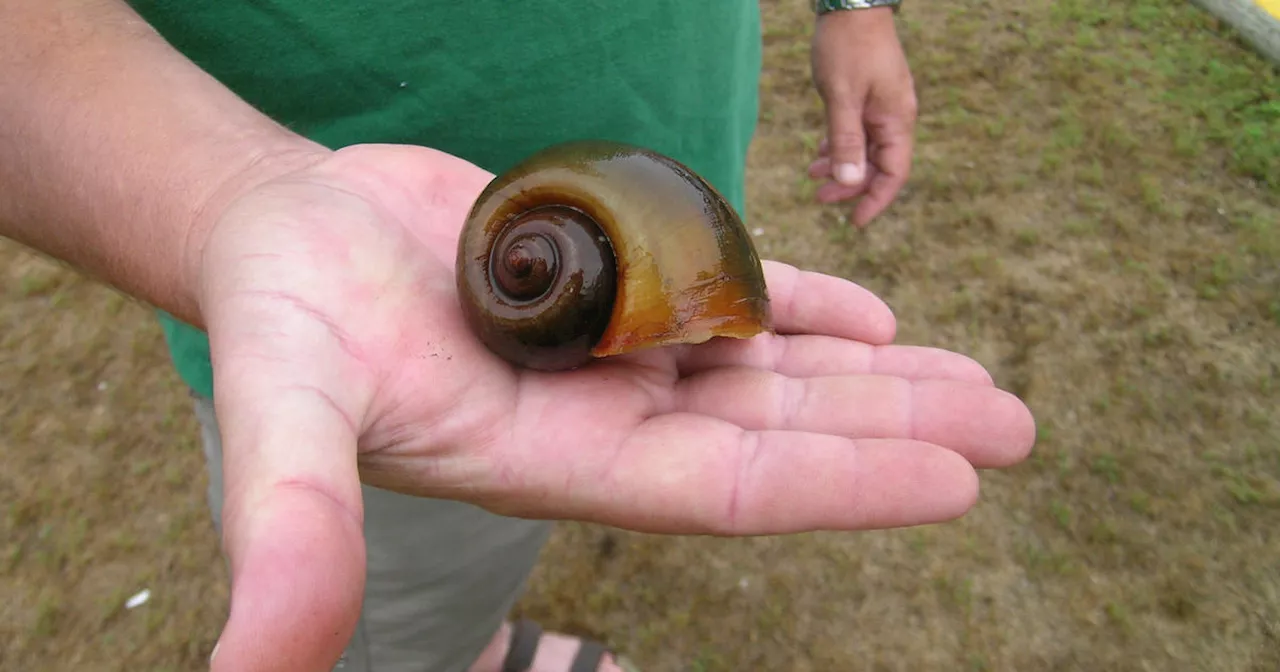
340	353
865	83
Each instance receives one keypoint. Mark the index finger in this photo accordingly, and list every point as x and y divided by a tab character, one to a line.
805	302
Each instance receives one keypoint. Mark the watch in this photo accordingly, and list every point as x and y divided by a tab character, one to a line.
824	6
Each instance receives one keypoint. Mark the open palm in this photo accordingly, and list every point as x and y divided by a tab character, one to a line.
340	356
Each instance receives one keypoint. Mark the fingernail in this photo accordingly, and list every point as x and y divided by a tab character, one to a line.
848	173
214	652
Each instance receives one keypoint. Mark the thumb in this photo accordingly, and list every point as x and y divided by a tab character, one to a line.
292	519
846	138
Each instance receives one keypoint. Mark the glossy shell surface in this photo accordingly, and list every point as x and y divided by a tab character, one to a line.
686	269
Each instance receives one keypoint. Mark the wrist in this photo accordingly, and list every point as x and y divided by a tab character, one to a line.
864	21
115	149
259	165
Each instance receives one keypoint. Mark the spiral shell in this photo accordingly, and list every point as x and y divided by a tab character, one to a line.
594	249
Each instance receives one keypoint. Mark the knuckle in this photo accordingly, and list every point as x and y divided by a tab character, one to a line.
846	140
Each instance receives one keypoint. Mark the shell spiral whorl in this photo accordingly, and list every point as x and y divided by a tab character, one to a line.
549	287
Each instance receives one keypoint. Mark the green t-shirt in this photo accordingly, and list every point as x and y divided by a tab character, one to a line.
490	81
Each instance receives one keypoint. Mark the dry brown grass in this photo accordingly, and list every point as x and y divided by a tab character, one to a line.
1090	216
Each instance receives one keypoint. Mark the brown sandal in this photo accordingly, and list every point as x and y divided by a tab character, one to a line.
526	634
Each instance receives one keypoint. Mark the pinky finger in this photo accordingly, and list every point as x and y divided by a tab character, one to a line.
820	168
794	481
824	147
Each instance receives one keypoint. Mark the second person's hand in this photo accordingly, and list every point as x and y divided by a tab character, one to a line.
865	83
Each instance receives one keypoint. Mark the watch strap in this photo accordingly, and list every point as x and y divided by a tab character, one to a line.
824	6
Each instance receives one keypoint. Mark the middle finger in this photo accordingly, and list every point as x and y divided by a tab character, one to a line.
986	425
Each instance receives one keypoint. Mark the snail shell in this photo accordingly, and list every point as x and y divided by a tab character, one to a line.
593	249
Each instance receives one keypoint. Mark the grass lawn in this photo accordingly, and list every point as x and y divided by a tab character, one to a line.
1094	214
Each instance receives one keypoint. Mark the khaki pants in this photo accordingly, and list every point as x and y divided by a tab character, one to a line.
441	575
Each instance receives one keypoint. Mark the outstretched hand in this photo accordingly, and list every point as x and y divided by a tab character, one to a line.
340	355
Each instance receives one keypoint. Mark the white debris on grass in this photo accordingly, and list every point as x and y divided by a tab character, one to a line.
138	600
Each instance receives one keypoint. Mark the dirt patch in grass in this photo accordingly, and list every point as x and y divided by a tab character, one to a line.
1093	214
